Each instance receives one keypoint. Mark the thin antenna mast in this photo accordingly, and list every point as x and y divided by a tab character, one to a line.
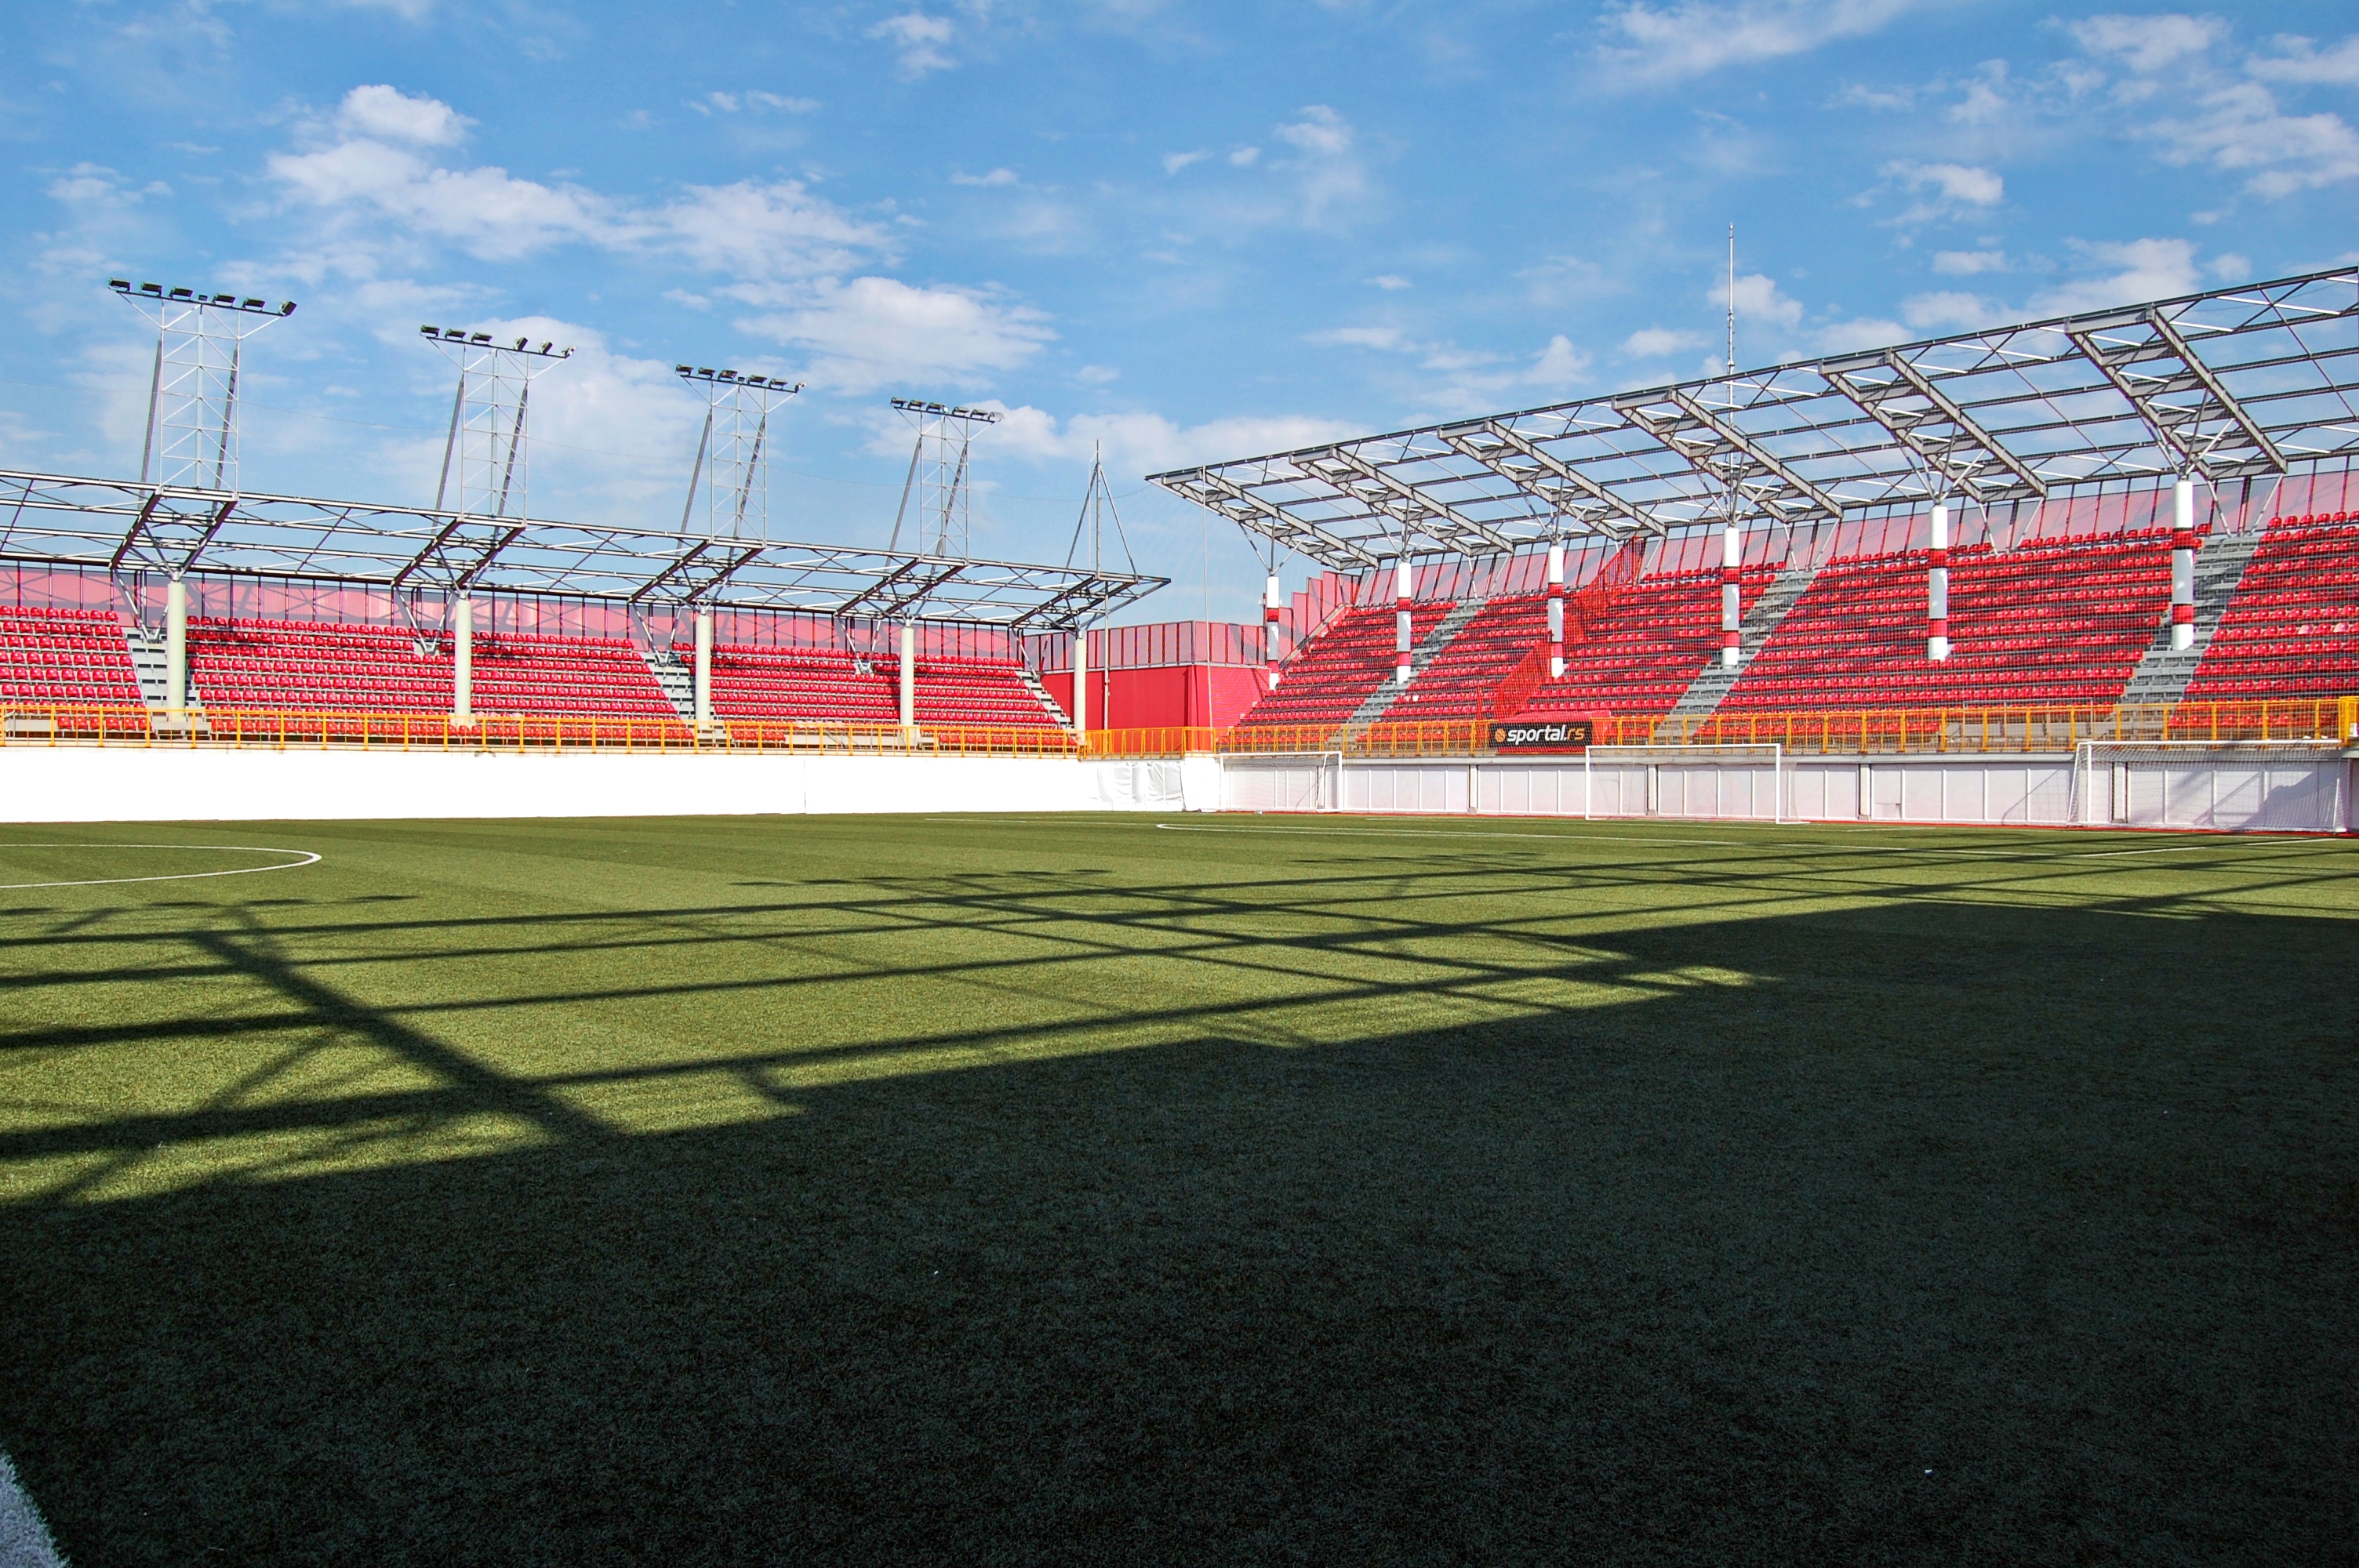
1731	363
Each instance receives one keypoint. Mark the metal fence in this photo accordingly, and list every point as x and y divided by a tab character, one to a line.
1848	732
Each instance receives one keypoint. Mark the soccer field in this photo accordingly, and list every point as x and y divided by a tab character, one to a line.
1219	1190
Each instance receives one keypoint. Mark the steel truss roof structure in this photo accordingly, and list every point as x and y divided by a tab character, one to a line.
120	526
2232	384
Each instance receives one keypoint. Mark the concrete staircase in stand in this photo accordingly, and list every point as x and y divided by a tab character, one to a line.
2162	672
1703	695
1374	707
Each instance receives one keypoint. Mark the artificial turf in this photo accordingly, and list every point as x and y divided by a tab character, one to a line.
1228	1190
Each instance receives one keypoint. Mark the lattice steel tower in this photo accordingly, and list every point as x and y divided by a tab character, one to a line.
732	455
485	464
938	476
191	440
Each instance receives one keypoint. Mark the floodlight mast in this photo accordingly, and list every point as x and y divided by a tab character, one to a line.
191	438
486	452
732	456
938	475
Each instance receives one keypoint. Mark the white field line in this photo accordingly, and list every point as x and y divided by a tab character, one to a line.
1469	835
304	858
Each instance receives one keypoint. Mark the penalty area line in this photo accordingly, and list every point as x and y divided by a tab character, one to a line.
304	858
1468	836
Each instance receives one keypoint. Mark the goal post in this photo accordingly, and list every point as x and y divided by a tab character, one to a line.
1749	761
1281	781
2220	784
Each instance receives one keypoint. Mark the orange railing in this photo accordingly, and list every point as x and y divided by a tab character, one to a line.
23	723
1844	732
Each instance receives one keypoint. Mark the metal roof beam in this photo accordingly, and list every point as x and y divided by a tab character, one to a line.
1753	451
2177	429
1417	506
1549	462
1876	400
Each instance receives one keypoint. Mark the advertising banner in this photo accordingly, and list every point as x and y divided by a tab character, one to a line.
1540	734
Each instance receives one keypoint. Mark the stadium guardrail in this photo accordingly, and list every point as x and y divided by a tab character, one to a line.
23	724
1847	731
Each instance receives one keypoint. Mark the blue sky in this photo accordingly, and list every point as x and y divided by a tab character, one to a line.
1180	231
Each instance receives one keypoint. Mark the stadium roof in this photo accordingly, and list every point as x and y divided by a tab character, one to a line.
2236	382
121	525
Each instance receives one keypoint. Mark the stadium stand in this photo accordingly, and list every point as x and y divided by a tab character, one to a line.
1643	653
1459	682
2053	623
818	685
977	691
65	655
1332	672
2293	628
594	676
274	665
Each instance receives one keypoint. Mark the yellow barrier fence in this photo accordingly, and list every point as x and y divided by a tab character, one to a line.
23	724
1849	731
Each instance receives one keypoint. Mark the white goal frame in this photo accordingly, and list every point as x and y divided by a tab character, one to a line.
1329	764
1667	753
2119	756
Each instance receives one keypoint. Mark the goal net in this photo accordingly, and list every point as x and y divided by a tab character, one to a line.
1716	783
1282	781
2291	786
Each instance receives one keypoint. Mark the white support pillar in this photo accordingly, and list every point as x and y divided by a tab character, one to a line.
1081	684
1556	612
908	678
1404	582
463	660
1272	601
703	664
1732	598
175	645
2183	564
1937	586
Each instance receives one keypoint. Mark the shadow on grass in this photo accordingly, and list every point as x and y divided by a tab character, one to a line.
1960	1233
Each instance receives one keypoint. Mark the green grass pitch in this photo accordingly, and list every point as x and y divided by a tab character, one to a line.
1233	1189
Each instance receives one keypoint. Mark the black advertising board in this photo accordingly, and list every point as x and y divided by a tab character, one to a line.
1540	734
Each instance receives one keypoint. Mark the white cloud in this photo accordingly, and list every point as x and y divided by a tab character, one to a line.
1174	162
1696	37
1320	130
1559	367
784	105
2134	271
2147	43
755	230
918	41
1244	157
1330	177
1656	342
1955	182
2296	60
1097	375
389	114
1847	337
1758	300
996	177
1389	280
1965	264
2240	128
871	331
1146	443
1385	339
1949	309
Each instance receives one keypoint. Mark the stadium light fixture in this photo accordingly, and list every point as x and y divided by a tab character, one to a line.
547	350
244	306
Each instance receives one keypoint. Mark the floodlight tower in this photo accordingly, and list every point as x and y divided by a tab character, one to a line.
484	454
732	463
938	483
733	454
1097	507
938	476
191	440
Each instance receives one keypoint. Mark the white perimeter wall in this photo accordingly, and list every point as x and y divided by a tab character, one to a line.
78	784
2296	791
2309	790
